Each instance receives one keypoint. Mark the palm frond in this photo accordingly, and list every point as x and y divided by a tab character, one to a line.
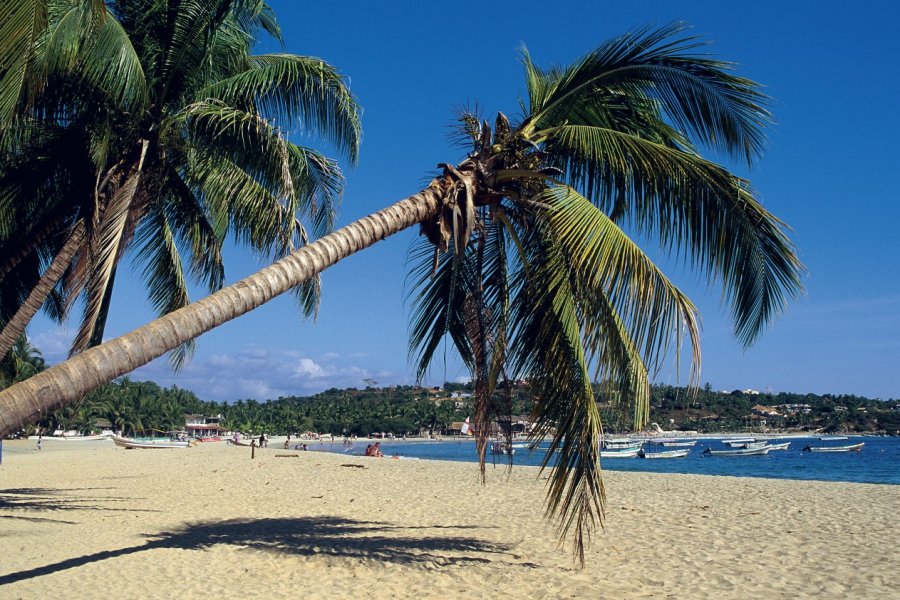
194	232
606	259
693	206
293	88
697	93
547	349
21	23
437	294
163	272
106	247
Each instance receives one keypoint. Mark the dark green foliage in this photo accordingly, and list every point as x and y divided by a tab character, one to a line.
144	408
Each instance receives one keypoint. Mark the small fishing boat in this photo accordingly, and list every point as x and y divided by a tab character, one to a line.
665	454
779	446
131	444
676	443
850	448
758	451
612	444
753	445
738	442
621	453
502	448
833	438
70	438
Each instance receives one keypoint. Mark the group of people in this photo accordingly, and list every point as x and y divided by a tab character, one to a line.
374	450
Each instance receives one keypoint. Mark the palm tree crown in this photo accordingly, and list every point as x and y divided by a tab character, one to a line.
551	288
149	125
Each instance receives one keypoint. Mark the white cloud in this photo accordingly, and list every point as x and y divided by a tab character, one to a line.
54	344
308	368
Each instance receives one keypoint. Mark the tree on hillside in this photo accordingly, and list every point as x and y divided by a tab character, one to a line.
149	126
540	280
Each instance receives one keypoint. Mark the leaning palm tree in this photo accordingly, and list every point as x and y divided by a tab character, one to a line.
149	126
539	278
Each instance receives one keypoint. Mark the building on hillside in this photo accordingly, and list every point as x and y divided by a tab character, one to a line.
765	411
793	409
204	425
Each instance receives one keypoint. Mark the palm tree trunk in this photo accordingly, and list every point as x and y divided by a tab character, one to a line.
23	248
66	382
39	293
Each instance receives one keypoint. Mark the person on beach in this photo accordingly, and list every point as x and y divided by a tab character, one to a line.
368	450
40	438
376	450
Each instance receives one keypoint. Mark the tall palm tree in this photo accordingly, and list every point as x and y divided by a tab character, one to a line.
22	362
149	126
542	281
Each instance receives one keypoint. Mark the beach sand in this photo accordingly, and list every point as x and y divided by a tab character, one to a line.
89	520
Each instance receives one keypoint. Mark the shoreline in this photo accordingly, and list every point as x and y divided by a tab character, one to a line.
209	520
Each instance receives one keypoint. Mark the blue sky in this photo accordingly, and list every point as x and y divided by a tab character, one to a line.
830	172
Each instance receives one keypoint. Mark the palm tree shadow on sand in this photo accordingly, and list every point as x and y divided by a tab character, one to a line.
331	536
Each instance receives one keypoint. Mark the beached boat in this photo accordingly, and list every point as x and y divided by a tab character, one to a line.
70	438
665	454
757	451
620	453
131	444
849	448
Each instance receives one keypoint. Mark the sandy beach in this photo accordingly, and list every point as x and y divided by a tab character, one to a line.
91	520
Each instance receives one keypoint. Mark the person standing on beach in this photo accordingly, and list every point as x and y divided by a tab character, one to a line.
40	438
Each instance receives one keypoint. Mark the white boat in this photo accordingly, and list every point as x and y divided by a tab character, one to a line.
70	438
753	445
833	438
131	444
676	443
739	451
850	448
779	446
665	454
620	453
620	443
738	442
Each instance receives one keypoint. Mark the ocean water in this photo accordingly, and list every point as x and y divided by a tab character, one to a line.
877	462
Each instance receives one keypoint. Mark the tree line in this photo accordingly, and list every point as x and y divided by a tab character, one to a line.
145	408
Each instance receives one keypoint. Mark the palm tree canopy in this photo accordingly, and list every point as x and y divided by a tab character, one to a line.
153	125
552	288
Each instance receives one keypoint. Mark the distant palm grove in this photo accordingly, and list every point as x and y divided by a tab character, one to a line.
145	408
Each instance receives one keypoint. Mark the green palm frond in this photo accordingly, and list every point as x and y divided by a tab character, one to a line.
162	272
437	296
547	348
190	26
233	197
98	51
695	92
287	87
692	206
194	232
654	311
21	23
